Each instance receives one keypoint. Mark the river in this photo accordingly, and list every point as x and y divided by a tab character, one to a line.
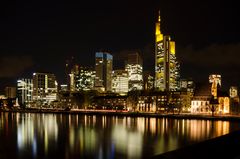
70	136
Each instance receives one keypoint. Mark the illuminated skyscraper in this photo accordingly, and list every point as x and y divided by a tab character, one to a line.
69	65
166	66
73	77
135	71
120	81
103	68
24	91
81	79
44	88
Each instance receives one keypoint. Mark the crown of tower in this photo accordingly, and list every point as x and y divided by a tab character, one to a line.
159	18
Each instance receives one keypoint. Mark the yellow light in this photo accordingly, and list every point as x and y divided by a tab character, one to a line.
159	36
160	60
172	47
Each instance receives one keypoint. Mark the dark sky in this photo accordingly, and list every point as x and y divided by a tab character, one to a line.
41	35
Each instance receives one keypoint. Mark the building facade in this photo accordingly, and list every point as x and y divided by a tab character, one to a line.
215	80
73	77
148	81
166	66
134	67
24	91
203	97
44	88
233	92
234	100
81	79
187	85
120	82
103	68
69	65
10	92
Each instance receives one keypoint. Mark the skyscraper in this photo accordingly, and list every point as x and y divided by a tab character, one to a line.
135	71
166	65
24	91
73	77
69	65
44	88
81	78
120	82
103	68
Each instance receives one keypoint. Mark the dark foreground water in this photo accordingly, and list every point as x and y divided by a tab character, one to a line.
63	136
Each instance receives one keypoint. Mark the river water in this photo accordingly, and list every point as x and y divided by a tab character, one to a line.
65	136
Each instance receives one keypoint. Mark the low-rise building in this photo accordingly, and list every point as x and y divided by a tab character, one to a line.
204	93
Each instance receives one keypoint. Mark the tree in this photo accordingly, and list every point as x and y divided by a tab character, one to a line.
88	97
1	103
133	98
10	103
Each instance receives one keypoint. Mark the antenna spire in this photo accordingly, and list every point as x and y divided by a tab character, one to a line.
159	18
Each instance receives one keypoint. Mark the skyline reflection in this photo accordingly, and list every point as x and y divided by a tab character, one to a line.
96	136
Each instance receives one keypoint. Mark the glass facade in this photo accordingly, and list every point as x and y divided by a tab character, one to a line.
44	88
103	68
167	72
215	80
81	79
24	91
120	82
135	71
85	81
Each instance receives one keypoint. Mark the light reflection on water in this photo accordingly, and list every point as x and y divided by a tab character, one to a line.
91	136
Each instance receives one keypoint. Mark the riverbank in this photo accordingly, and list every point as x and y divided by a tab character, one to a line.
130	114
223	147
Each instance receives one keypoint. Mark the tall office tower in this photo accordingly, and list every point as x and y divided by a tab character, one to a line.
120	82
24	91
233	92
215	80
166	66
81	78
69	65
44	88
73	77
85	79
10	92
103	68
135	71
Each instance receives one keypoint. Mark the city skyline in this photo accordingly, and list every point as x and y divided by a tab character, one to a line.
41	36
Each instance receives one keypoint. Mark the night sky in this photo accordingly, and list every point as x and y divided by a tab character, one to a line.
42	35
